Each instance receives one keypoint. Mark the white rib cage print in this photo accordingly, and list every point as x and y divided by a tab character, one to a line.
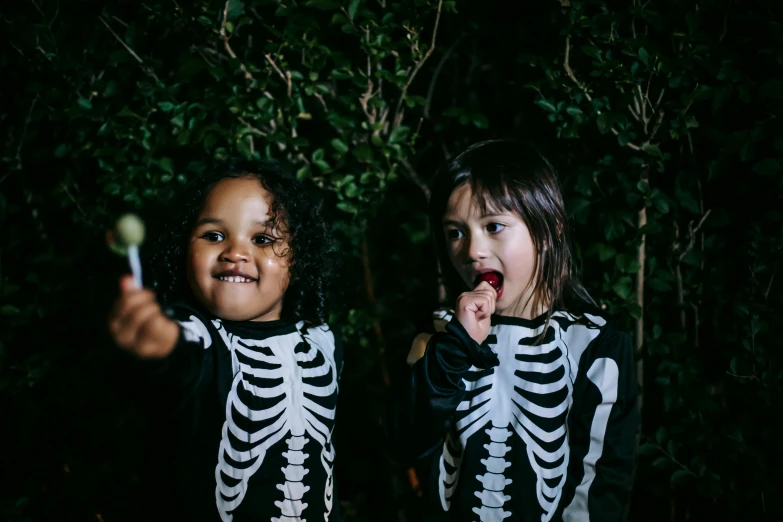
281	369
528	394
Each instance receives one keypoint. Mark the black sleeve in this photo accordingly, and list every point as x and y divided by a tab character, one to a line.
420	410
602	429
179	371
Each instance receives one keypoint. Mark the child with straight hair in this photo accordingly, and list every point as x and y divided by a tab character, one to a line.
525	396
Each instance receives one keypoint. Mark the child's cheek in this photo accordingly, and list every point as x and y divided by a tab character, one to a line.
277	268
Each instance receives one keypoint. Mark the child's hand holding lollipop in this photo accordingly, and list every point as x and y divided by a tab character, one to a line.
136	322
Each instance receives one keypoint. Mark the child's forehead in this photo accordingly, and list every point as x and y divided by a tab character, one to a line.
239	196
478	201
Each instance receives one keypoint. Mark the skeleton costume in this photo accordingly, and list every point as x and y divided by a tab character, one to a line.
255	413
519	430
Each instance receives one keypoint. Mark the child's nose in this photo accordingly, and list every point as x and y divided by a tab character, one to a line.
477	248
234	253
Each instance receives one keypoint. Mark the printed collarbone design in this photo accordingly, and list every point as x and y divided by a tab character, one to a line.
276	368
528	395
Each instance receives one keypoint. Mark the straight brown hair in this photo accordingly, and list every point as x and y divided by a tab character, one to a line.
509	176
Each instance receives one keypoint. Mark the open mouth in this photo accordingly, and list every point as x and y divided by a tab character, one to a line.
232	276
495	280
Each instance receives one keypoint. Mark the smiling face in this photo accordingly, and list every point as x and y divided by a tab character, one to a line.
238	259
481	244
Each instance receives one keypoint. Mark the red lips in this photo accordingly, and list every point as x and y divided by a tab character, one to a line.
495	280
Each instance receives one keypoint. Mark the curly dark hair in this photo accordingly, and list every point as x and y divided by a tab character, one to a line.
293	210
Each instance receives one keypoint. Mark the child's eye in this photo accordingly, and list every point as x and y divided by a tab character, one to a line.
212	237
453	234
262	240
494	228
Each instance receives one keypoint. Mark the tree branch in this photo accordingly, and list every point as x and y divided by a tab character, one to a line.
147	70
415	177
583	88
285	77
436	74
397	115
229	50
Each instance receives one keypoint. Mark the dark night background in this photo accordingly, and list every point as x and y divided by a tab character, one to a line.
662	117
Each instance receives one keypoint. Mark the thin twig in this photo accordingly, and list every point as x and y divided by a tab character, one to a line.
70	196
21	137
397	115
415	177
750	377
146	70
692	234
229	50
127	48
656	126
583	88
685	110
285	77
436	73
251	128
725	22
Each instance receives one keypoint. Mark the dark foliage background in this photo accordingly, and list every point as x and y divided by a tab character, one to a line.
663	118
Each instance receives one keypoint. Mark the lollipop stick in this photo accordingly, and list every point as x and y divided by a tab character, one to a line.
135	264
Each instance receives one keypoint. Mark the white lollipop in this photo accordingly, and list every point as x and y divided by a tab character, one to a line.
129	233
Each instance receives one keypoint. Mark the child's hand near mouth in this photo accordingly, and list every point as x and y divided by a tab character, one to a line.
475	309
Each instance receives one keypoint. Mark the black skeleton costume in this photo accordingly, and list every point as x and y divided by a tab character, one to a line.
255	410
519	430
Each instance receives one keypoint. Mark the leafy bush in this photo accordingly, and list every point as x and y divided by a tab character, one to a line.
661	116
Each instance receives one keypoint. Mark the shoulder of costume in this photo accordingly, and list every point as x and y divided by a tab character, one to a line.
441	317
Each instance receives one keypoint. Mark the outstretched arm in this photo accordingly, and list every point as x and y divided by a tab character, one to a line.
170	348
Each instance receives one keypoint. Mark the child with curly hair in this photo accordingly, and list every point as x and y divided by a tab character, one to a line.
246	354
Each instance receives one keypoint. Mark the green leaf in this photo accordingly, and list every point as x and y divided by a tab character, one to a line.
363	153
648	450
352	7
323	5
662	462
768	167
643	56
661	435
591	51
167	164
574	111
399	134
606	252
679	477
9	310
661	204
622	289
61	151
166	106
604	122
721	95
653	150
547	106
339	145
85	103
347	206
